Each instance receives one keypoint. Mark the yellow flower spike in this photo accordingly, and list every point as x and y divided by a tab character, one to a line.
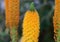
12	17
56	20
31	25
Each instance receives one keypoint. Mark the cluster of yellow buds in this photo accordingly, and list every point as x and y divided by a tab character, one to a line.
31	25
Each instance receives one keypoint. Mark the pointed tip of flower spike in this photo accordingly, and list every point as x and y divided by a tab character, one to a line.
32	8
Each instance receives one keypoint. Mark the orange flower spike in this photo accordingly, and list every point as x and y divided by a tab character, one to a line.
12	18
56	20
14	12
6	13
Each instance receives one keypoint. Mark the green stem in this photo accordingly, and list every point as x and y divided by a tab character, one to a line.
14	34
32	8
58	35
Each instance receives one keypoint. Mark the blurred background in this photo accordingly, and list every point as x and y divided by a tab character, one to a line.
45	9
